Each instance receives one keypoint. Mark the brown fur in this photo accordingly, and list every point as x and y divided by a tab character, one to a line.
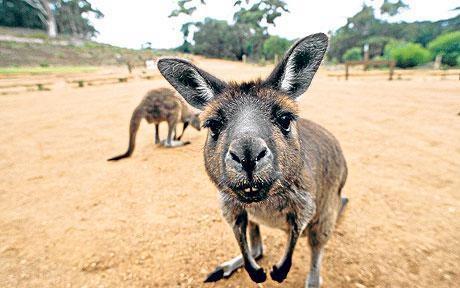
311	163
157	106
270	166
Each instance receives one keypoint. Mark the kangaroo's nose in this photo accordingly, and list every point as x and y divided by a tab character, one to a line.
248	154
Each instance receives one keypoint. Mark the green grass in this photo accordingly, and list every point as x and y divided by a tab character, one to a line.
46	70
60	57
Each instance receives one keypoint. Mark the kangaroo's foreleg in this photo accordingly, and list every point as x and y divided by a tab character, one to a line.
157	133
133	127
256	272
183	130
281	269
227	268
175	133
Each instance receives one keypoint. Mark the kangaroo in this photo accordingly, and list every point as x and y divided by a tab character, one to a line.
270	166
157	106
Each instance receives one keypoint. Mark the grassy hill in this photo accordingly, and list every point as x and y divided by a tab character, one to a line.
26	47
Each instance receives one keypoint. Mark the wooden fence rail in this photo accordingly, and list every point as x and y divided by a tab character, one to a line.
367	63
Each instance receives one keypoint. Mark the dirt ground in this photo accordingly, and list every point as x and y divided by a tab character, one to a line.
69	218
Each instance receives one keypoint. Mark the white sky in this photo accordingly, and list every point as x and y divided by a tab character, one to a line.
130	25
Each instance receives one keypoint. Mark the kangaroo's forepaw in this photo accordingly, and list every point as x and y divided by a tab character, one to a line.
278	274
215	275
257	275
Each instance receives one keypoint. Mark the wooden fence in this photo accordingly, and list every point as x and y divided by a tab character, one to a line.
368	63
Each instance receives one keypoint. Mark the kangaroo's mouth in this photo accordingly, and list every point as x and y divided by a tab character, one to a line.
251	192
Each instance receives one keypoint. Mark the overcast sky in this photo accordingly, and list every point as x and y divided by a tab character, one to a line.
130	25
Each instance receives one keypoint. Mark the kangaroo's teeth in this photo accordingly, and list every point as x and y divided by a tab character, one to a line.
255	189
247	190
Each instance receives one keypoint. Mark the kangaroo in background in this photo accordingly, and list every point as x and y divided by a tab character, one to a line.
270	165
157	106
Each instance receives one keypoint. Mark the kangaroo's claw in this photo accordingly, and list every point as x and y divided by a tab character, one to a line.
257	275
215	275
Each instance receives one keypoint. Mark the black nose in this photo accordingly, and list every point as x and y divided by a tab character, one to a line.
247	154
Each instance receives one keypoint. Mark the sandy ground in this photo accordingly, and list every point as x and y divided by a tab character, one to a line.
68	218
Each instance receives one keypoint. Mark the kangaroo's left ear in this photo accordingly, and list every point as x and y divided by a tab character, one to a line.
294	73
195	85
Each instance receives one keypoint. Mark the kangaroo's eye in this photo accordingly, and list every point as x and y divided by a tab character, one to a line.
284	121
214	126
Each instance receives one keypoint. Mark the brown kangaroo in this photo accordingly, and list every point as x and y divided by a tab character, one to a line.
270	165
157	106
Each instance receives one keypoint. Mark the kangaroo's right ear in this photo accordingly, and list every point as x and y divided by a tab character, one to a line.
195	85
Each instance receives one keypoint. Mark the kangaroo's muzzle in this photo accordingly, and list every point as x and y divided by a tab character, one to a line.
248	162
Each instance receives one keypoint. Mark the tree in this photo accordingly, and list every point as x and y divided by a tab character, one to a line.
14	13
256	18
45	14
358	28
353	54
182	9
216	38
54	16
261	11
275	45
447	45
251	23
70	20
364	28
391	8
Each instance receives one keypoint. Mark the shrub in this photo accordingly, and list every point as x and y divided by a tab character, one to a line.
407	54
275	45
353	54
447	45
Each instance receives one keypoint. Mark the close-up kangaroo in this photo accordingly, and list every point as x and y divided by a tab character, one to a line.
157	106
270	166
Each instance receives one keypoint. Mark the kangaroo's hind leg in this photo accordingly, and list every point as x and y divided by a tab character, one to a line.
227	268
157	133
170	142
319	232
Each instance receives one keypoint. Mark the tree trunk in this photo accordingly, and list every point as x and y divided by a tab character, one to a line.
50	20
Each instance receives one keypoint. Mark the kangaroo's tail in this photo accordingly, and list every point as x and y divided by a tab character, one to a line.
133	127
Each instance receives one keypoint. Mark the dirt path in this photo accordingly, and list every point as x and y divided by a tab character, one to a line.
68	218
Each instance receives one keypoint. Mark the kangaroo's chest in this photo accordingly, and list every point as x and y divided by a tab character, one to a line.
269	216
274	213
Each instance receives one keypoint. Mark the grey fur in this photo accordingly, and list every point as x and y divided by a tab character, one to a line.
157	106
270	166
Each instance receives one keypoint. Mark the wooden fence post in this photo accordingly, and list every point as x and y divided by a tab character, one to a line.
392	68
346	71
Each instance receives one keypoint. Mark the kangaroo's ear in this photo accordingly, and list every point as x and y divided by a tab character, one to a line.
294	73
195	85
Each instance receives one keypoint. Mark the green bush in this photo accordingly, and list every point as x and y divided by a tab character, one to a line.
353	54
447	45
275	45
407	54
